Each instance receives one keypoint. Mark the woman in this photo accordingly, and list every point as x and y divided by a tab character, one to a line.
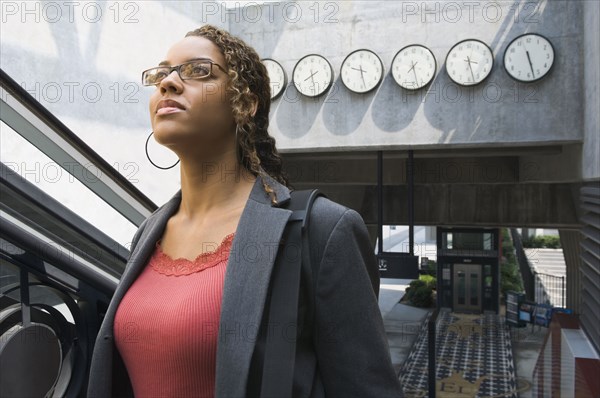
184	319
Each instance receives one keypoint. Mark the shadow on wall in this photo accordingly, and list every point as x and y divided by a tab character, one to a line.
393	107
495	106
346	113
498	109
295	121
71	77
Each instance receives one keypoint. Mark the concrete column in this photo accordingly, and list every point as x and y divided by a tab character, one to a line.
569	240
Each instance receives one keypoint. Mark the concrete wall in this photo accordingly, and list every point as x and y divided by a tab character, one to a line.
591	102
83	61
497	112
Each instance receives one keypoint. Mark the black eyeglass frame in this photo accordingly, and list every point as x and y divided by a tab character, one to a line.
178	69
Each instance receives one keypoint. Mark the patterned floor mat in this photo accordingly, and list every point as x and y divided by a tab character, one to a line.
474	358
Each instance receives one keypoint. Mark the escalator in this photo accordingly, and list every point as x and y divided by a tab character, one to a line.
57	270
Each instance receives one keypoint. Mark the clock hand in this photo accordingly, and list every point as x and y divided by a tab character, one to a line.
312	78
470	67
312	74
530	64
362	72
415	73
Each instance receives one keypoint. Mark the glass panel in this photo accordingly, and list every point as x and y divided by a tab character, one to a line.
448	240
22	157
474	287
487	272
487	241
446	274
468	241
460	287
396	240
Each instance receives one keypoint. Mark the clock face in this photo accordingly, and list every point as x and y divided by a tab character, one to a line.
361	71
414	67
277	77
469	62
313	75
528	57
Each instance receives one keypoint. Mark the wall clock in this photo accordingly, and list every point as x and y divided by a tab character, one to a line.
277	77
313	75
469	62
529	57
361	71
414	67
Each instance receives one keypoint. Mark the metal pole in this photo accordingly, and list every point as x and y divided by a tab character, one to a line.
563	292
536	297
411	209
379	202
431	347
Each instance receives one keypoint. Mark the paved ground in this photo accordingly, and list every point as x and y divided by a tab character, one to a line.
474	358
402	322
527	344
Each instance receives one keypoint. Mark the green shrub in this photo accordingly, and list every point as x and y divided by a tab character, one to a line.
431	268
419	293
542	241
510	275
429	280
416	283
551	241
422	297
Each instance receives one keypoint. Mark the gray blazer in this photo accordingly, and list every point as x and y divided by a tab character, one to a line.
350	355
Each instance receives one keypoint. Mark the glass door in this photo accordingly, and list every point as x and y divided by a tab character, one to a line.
467	287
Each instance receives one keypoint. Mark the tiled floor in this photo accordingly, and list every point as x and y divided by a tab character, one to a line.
474	358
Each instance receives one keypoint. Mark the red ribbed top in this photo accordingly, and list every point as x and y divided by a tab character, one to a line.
166	325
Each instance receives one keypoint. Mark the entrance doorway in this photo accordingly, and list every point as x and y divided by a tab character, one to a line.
467	287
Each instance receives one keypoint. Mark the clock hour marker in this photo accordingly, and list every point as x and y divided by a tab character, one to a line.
361	71
475	62
414	67
529	57
313	75
277	77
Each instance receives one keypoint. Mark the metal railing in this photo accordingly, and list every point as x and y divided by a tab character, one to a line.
550	289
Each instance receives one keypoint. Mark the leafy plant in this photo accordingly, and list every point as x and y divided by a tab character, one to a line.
419	293
542	241
510	275
430	281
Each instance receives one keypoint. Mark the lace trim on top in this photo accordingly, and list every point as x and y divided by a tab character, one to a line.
164	264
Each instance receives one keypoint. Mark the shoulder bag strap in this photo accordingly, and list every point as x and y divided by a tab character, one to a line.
280	350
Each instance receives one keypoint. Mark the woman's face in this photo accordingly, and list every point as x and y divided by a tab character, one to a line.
205	122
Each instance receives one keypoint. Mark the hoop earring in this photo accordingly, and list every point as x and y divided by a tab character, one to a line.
148	156
237	146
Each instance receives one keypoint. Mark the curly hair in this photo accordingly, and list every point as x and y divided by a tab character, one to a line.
248	76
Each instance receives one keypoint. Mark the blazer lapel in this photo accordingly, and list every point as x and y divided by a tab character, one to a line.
147	242
247	276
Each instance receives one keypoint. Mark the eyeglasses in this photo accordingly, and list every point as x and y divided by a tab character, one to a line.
199	69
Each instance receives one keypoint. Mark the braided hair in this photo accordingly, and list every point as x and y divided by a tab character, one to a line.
248	81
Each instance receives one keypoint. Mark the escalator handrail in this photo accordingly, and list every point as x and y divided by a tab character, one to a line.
25	98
